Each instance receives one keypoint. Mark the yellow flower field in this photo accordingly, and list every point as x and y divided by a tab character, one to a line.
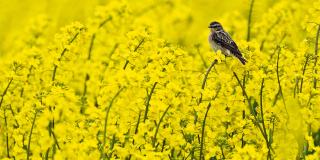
137	79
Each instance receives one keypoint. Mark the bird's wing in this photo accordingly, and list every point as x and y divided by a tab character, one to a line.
222	38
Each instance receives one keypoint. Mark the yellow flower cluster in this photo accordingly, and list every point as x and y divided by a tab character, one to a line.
138	80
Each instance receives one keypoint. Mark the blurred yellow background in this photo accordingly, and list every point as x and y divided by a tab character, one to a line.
15	15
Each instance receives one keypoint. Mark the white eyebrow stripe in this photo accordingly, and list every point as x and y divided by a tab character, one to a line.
216	25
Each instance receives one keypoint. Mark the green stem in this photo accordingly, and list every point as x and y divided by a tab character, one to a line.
30	134
7	134
138	122
249	21
85	85
163	144
55	68
278	76
244	93
296	87
206	77
5	91
202	156
262	120
104	22
242	137
244	80
135	50
279	84
271	131
55	139
303	72
102	153
125	64
93	37
158	126
255	121
261	107
113	49
222	152
306	146
316	57
207	74
148	101
61	55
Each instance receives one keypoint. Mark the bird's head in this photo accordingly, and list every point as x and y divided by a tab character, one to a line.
215	26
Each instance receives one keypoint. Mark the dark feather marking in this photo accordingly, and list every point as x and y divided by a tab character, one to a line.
223	39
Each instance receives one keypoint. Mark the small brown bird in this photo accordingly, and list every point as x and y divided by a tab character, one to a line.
221	40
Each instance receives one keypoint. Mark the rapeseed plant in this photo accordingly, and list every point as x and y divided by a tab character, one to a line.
138	80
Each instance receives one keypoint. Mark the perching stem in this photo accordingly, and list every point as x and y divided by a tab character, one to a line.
206	77
202	156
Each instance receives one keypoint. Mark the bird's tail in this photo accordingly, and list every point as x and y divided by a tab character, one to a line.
242	60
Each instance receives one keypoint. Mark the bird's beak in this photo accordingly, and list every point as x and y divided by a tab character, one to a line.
209	27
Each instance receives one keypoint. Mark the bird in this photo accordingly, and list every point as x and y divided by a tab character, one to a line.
219	39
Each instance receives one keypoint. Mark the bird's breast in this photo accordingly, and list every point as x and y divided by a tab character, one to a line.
213	44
